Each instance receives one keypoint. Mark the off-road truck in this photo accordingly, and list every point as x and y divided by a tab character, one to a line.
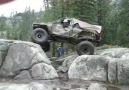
84	35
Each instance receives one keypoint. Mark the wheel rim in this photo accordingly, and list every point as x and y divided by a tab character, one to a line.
85	49
39	36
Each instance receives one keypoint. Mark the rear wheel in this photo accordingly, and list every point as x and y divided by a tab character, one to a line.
39	36
85	48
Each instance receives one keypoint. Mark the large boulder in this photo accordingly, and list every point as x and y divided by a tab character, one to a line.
43	71
110	65
118	66
118	71
89	67
21	57
113	52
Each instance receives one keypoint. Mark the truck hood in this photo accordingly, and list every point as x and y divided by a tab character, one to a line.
46	24
88	27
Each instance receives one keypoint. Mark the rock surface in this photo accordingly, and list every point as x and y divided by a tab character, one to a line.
113	52
67	62
89	68
123	71
43	71
30	86
18	58
110	65
118	71
96	86
4	46
112	71
24	75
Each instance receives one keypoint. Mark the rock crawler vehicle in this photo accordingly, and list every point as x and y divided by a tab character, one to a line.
70	30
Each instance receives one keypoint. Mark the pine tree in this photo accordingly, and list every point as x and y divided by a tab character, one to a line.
103	8
123	29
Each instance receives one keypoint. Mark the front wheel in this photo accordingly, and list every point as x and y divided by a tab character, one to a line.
39	36
85	48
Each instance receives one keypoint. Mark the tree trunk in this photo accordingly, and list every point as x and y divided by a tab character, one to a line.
62	11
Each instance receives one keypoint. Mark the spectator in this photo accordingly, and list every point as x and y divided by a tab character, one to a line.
60	51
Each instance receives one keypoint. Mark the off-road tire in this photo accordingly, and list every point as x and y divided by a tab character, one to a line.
46	47
85	48
39	36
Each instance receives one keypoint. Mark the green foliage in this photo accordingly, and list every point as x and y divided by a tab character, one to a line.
4	28
123	26
18	26
84	10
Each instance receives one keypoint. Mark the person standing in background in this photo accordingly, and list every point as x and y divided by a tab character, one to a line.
60	51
